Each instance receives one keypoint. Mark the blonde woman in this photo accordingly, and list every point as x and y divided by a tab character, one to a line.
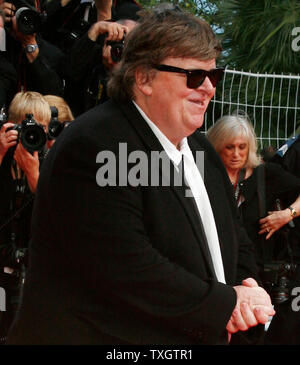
64	114
27	163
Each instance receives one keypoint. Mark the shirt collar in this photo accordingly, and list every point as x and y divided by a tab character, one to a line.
174	154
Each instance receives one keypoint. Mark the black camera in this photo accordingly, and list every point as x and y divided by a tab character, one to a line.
280	292
116	49
31	134
55	126
279	282
29	20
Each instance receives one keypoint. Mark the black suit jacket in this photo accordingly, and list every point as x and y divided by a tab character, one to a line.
124	264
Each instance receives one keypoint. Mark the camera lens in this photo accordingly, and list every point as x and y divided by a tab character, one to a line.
32	134
28	20
33	137
55	128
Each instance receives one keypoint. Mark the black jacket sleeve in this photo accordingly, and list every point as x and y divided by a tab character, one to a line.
43	73
83	56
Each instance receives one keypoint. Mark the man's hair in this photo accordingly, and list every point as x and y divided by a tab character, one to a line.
161	33
229	127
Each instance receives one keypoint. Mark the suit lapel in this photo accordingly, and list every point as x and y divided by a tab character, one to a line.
188	204
212	178
190	207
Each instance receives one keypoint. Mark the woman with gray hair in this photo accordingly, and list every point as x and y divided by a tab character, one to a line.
234	139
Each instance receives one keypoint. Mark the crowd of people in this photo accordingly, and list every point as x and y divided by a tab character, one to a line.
66	52
97	263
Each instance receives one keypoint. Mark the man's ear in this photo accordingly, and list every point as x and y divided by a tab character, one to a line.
143	81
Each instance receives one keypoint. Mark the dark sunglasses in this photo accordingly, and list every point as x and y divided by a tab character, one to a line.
195	78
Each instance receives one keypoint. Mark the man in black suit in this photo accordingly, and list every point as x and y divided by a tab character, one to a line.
122	252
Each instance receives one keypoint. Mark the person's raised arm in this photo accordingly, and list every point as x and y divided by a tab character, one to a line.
278	218
115	31
86	50
103	9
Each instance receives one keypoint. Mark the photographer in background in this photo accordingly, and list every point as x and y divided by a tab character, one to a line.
60	117
19	172
96	84
36	61
68	20
84	68
91	61
22	104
